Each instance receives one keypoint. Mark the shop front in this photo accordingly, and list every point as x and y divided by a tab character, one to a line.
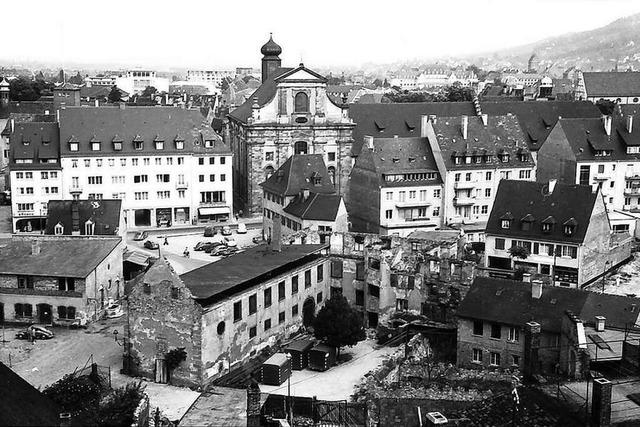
214	214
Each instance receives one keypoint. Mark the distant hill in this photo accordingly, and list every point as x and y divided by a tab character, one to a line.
594	50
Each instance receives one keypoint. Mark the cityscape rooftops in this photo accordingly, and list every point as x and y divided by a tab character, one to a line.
300	172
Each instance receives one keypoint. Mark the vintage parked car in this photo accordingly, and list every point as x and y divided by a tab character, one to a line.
229	251
212	245
218	250
226	230
230	241
200	246
242	228
39	333
258	240
114	310
140	235
151	245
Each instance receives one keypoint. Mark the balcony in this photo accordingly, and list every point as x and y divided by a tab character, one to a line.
633	191
75	189
182	185
464	200
413	204
459	185
25	213
631	208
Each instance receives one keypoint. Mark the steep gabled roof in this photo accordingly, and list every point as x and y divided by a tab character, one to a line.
537	119
104	214
585	136
264	94
395	116
295	175
608	84
517	199
510	302
35	141
318	207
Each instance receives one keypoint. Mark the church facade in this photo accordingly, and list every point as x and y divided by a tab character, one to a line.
290	113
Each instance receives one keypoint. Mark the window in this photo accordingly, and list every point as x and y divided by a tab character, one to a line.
436	193
281	291
253	303
162	177
515	360
95	180
300	147
320	273
499	244
294	285
412	194
201	178
175	292
212	177
319	297
25	282
374	290
514	334
267	324
140	178
268	156
23	310
146	161
388	214
585	172
600	168
402	304
478	327
223	160
44	175
66	284
525	174
201	161
223	177
294	310
494	359
402	196
496	330
568	230
301	103
331	156
477	355
467	176
487	192
87	163
267	297
164	194
359	297
336	269
58	229
212	160
253	331
307	279
506	224
360	270
237	311
281	317
484	209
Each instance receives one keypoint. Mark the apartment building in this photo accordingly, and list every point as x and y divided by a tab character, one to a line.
209	77
603	153
473	154
166	164
395	187
35	173
564	230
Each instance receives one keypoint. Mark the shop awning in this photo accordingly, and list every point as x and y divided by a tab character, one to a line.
214	211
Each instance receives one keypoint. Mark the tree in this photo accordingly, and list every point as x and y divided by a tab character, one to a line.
148	92
114	95
338	324
606	106
457	93
78	395
119	406
23	89
518	252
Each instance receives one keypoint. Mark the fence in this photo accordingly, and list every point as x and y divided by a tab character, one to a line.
320	412
100	374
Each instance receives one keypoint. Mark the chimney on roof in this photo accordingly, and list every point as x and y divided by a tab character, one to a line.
526	277
13	123
97	103
552	185
629	123
35	247
305	193
600	321
433	118
369	141
606	120
536	289
464	126
485	119
75	218
276	238
122	105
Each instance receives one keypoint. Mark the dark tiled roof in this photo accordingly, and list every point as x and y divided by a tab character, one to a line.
319	207
585	136
27	107
402	119
21	404
502	134
58	257
145	123
537	119
99	91
225	277
510	302
104	214
264	93
612	84
517	199
43	143
294	175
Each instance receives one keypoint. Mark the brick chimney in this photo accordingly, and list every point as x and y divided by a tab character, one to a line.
629	123
75	218
606	120
536	289
464	126
600	322
531	346
276	238
35	247
601	402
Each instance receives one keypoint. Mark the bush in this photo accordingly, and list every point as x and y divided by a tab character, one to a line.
79	396
118	408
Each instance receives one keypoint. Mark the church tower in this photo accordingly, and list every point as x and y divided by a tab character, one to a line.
4	93
270	61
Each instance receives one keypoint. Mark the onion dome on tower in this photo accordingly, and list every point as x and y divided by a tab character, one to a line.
270	61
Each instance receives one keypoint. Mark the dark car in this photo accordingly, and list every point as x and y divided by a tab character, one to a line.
38	332
140	235
218	250
151	245
209	231
212	245
200	246
229	251
258	240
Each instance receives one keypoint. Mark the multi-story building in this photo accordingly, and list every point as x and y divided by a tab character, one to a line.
58	279
100	80
290	113
209	77
564	230
35	173
136	81
85	217
542	329
224	312
395	187
301	195
619	87
603	153
164	163
473	154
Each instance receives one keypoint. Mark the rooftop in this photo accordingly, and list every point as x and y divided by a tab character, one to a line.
217	280
297	173
104	214
59	256
528	205
612	84
318	207
37	142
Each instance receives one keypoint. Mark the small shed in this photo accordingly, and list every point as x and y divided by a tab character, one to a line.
299	351
275	370
322	357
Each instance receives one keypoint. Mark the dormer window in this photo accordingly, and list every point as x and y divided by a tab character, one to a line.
25	140
138	143
506	224
633	150
58	229
95	144
523	157
159	142
457	160
477	159
569	227
74	144
395	160
504	157
208	143
45	140
88	228
527	222
179	141
117	143
505	221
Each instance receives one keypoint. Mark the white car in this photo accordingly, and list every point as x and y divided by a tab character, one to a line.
230	242
114	311
242	228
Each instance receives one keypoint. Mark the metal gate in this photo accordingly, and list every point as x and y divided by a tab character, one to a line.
339	413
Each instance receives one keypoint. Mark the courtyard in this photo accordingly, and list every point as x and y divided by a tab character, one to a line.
623	281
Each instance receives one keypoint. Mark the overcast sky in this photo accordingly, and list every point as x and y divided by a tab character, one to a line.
329	33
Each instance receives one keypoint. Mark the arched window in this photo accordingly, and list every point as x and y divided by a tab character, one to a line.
58	229
268	171
300	147
332	174
301	104
88	228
